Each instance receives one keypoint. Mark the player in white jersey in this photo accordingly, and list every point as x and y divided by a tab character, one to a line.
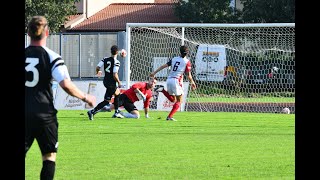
179	65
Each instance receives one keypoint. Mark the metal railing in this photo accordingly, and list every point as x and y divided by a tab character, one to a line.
82	51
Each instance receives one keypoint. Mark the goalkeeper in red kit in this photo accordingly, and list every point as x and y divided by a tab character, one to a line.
138	91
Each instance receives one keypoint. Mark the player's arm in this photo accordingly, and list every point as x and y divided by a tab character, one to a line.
116	78
69	87
159	69
146	112
189	75
61	75
98	67
136	89
140	95
146	104
193	84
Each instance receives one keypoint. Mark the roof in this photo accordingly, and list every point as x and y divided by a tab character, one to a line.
71	17
115	16
166	1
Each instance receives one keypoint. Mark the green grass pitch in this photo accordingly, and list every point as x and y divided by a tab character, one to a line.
200	145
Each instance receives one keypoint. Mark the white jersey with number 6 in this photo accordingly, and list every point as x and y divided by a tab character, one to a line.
179	66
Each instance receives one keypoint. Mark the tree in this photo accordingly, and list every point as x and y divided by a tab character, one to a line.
56	11
209	11
219	11
268	11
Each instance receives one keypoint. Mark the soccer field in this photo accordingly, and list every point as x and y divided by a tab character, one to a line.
200	145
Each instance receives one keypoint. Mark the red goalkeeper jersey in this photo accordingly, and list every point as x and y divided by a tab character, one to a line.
142	86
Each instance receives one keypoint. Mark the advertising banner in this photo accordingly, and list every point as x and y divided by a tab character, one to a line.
64	101
210	62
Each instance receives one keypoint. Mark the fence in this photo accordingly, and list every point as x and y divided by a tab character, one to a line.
83	51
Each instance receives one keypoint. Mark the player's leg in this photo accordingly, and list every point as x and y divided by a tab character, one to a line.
116	99
99	106
132	110
48	166
97	109
107	99
107	108
116	104
174	88
175	108
160	88
170	97
48	144
133	114
28	134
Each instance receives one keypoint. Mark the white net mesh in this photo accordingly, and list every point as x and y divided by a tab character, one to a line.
256	73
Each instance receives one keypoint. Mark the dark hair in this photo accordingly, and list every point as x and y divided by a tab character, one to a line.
36	27
184	51
114	49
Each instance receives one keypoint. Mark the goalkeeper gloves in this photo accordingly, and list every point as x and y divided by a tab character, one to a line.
141	96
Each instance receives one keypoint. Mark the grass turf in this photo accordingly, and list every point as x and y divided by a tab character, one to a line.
210	145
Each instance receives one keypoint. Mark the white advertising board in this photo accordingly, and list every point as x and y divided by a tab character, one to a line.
210	62
66	102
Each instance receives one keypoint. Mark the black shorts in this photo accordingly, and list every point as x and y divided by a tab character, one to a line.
109	92
45	134
126	103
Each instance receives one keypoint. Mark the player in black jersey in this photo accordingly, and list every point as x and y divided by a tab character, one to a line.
43	65
111	81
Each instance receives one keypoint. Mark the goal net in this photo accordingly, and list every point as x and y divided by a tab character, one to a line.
237	67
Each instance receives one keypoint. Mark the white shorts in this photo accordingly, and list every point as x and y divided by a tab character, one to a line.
174	87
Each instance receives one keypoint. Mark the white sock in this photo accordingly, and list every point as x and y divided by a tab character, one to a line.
129	115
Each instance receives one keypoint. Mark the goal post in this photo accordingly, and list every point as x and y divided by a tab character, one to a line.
237	67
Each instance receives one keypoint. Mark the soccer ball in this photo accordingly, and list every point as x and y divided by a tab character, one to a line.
285	110
123	53
275	69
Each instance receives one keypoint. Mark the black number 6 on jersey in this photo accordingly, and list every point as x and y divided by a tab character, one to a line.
176	65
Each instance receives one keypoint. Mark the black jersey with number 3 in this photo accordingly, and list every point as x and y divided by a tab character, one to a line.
39	64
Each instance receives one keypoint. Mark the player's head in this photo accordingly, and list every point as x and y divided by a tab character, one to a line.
152	82
114	50
184	51
38	28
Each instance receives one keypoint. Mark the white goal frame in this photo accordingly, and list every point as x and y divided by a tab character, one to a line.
129	27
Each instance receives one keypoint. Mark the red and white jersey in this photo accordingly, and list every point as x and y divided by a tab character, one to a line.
179	66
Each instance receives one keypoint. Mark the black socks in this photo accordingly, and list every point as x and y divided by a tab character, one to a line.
48	169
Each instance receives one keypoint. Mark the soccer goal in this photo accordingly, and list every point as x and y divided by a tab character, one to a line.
237	67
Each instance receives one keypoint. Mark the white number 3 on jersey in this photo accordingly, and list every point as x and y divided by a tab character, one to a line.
31	67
